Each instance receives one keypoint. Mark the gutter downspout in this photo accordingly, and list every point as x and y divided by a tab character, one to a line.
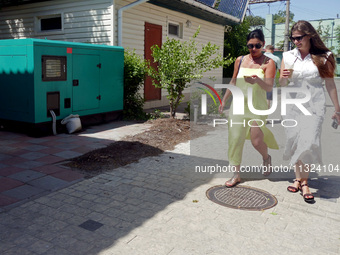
120	18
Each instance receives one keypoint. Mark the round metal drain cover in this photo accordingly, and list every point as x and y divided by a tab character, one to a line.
242	197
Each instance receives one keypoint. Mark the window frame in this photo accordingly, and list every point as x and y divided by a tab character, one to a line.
42	16
180	29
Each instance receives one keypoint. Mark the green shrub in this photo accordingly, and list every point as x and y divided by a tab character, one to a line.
181	62
134	75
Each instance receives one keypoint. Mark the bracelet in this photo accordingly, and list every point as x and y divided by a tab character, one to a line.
337	113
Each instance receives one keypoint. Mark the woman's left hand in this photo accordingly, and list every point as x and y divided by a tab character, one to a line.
337	117
251	79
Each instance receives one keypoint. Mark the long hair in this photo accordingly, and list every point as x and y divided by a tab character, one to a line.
318	50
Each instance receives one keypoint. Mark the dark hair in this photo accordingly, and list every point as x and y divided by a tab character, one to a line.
318	50
270	47
256	34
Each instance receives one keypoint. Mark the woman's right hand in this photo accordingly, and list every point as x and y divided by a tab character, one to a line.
285	73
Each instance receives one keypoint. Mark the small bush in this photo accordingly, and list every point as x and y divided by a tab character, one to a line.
181	62
134	75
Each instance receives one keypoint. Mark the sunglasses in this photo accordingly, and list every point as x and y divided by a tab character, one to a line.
257	46
298	38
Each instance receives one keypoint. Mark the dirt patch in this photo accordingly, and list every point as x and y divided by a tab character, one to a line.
163	135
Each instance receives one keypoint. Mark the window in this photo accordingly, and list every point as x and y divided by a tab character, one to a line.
175	30
49	24
54	68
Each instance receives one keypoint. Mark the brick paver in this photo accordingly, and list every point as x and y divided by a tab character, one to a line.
159	206
36	163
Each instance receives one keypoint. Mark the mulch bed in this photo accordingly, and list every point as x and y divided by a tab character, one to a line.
164	134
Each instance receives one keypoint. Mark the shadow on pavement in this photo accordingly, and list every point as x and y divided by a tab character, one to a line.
111	204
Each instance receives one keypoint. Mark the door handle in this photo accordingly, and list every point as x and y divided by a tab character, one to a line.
75	82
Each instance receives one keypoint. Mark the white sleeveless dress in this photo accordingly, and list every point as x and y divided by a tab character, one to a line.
303	141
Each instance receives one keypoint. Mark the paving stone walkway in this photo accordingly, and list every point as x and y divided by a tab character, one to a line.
159	206
29	166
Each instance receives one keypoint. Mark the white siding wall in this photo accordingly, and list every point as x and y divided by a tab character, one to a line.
92	22
83	21
133	33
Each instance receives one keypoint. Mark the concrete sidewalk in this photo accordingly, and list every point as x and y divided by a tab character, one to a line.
159	206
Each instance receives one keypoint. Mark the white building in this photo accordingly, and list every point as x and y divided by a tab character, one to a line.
131	24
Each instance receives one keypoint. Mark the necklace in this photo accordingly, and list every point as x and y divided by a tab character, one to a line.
253	60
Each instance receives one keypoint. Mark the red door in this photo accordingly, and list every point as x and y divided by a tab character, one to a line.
152	36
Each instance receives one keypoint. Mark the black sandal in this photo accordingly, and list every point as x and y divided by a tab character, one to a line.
308	197
294	189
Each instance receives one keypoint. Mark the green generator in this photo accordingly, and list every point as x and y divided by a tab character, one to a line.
42	79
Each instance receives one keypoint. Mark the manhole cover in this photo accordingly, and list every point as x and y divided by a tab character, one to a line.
241	197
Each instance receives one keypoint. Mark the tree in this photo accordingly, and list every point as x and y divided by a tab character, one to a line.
255	21
325	34
337	36
280	45
280	17
235	42
181	62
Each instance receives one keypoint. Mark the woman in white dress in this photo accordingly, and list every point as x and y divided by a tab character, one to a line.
307	67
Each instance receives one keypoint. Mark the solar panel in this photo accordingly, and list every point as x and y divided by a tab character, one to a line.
233	7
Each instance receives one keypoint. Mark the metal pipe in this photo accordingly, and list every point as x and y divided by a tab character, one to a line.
195	113
54	117
120	18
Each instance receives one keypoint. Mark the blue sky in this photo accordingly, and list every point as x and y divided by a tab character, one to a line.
302	9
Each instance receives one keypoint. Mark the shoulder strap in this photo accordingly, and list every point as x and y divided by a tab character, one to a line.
239	65
264	61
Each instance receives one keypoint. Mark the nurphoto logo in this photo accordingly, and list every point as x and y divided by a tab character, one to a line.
239	99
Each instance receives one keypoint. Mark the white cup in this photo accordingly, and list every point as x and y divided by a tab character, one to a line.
290	68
